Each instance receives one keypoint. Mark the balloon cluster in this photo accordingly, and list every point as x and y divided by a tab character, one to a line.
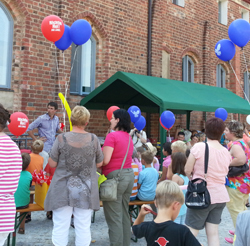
136	117
62	35
167	120
239	34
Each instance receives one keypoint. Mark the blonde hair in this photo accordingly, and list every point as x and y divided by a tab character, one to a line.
168	192
37	146
147	156
79	116
179	146
150	147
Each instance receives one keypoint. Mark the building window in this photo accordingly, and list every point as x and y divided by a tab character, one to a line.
245	15
82	80
246	85
222	12
165	65
6	45
220	77
179	2
187	69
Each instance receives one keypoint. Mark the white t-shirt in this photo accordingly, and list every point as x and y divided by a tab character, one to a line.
137	141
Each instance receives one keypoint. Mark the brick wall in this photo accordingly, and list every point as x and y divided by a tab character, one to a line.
120	29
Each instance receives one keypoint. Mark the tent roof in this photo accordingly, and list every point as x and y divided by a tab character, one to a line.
151	93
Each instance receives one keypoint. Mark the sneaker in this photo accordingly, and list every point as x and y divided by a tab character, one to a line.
229	240
231	233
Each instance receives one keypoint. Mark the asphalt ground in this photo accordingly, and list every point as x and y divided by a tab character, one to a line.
38	232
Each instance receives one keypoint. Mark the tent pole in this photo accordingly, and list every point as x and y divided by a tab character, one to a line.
188	120
162	137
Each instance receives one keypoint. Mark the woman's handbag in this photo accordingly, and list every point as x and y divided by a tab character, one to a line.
197	195
235	171
108	189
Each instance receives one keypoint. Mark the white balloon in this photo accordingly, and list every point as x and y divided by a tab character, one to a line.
248	119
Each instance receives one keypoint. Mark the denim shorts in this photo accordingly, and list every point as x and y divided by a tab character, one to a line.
197	218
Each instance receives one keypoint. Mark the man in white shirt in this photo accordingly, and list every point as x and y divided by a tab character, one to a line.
139	137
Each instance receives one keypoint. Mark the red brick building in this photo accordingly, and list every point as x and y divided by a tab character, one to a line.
184	34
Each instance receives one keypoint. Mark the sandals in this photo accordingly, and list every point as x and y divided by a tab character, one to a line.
21	231
49	215
28	218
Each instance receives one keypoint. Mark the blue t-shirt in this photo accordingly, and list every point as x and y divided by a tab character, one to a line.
148	180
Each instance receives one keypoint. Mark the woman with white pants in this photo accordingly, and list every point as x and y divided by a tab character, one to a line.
74	187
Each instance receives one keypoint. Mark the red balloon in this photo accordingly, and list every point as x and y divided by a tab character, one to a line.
19	123
52	28
110	111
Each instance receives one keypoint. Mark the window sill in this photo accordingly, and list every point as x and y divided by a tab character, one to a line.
225	25
76	94
179	5
6	89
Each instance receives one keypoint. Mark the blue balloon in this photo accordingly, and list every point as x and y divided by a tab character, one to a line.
134	113
221	113
140	124
239	32
65	41
167	119
80	32
225	50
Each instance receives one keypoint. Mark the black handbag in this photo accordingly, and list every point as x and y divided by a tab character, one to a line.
197	195
235	171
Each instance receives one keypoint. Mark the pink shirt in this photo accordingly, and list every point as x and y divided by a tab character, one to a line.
167	162
218	163
119	141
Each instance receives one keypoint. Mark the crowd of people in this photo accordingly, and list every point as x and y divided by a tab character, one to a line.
73	158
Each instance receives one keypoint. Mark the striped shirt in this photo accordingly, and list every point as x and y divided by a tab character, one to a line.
10	168
136	173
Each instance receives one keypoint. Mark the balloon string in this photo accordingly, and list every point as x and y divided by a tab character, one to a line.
246	71
67	83
239	82
60	89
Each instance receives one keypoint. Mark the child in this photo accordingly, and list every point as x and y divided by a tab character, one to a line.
179	146
137	160
140	150
147	178
167	151
178	164
22	195
36	163
163	231
136	173
153	149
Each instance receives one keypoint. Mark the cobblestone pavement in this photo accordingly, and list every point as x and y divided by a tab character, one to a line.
38	231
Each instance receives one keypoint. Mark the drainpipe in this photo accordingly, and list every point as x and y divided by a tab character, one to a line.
150	6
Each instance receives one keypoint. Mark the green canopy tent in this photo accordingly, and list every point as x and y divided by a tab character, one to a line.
154	95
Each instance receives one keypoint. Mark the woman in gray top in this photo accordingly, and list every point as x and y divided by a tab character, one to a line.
74	187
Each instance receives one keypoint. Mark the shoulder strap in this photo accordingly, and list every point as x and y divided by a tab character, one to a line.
206	158
119	174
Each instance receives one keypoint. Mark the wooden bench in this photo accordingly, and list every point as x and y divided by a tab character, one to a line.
32	208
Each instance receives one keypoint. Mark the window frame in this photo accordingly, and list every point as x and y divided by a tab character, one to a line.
9	47
92	69
245	15
223	12
219	69
185	75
